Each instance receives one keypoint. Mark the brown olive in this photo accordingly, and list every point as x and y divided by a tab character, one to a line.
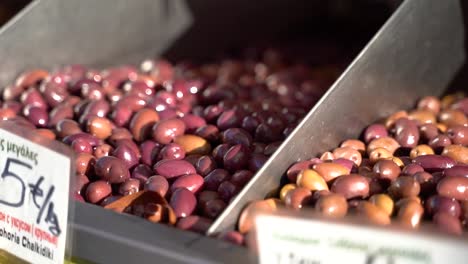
330	171
372	213
354	144
379	154
423	116
298	198
351	186
84	163
332	205
349	154
193	144
390	121
100	127
384	202
386	169
457	153
311	180
246	219
452	117
430	103
142	123
285	189
410	213
421	150
388	143
404	186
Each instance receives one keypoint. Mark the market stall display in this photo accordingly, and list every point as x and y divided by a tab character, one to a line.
177	142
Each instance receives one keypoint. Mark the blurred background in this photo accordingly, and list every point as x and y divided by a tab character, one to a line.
8	8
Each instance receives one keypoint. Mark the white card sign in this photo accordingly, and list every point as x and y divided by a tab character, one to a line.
34	200
295	240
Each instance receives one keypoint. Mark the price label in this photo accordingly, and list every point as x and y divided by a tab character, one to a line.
307	241
34	199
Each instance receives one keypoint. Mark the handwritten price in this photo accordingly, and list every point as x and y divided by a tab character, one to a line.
46	207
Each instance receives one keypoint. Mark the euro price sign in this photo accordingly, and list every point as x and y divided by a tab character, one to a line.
34	199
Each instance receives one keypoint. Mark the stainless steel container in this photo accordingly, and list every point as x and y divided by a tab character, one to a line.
419	51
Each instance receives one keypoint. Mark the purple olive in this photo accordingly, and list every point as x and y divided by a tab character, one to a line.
172	151
111	169
241	178
142	172
236	158
146	149
256	161
192	182
193	122
183	202
433	163
235	136
438	203
227	190
173	168
126	155
215	178
157	184
205	165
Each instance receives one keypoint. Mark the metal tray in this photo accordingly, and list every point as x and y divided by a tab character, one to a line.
109	32
418	52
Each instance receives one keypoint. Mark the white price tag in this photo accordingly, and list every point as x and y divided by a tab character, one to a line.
295	240
34	198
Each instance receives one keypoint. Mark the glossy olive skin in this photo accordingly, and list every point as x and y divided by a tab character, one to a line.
192	182
407	132
434	162
130	186
387	169
298	198
372	213
205	164
126	154
333	205
310	179
236	158
165	131
142	123
157	184
448	223
455	187
173	168
375	131
457	170
172	151
235	136
404	186
111	169
436	204
330	171
351	186
194	223
410	213
297	167
98	191
215	178
192	144
84	163
183	202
